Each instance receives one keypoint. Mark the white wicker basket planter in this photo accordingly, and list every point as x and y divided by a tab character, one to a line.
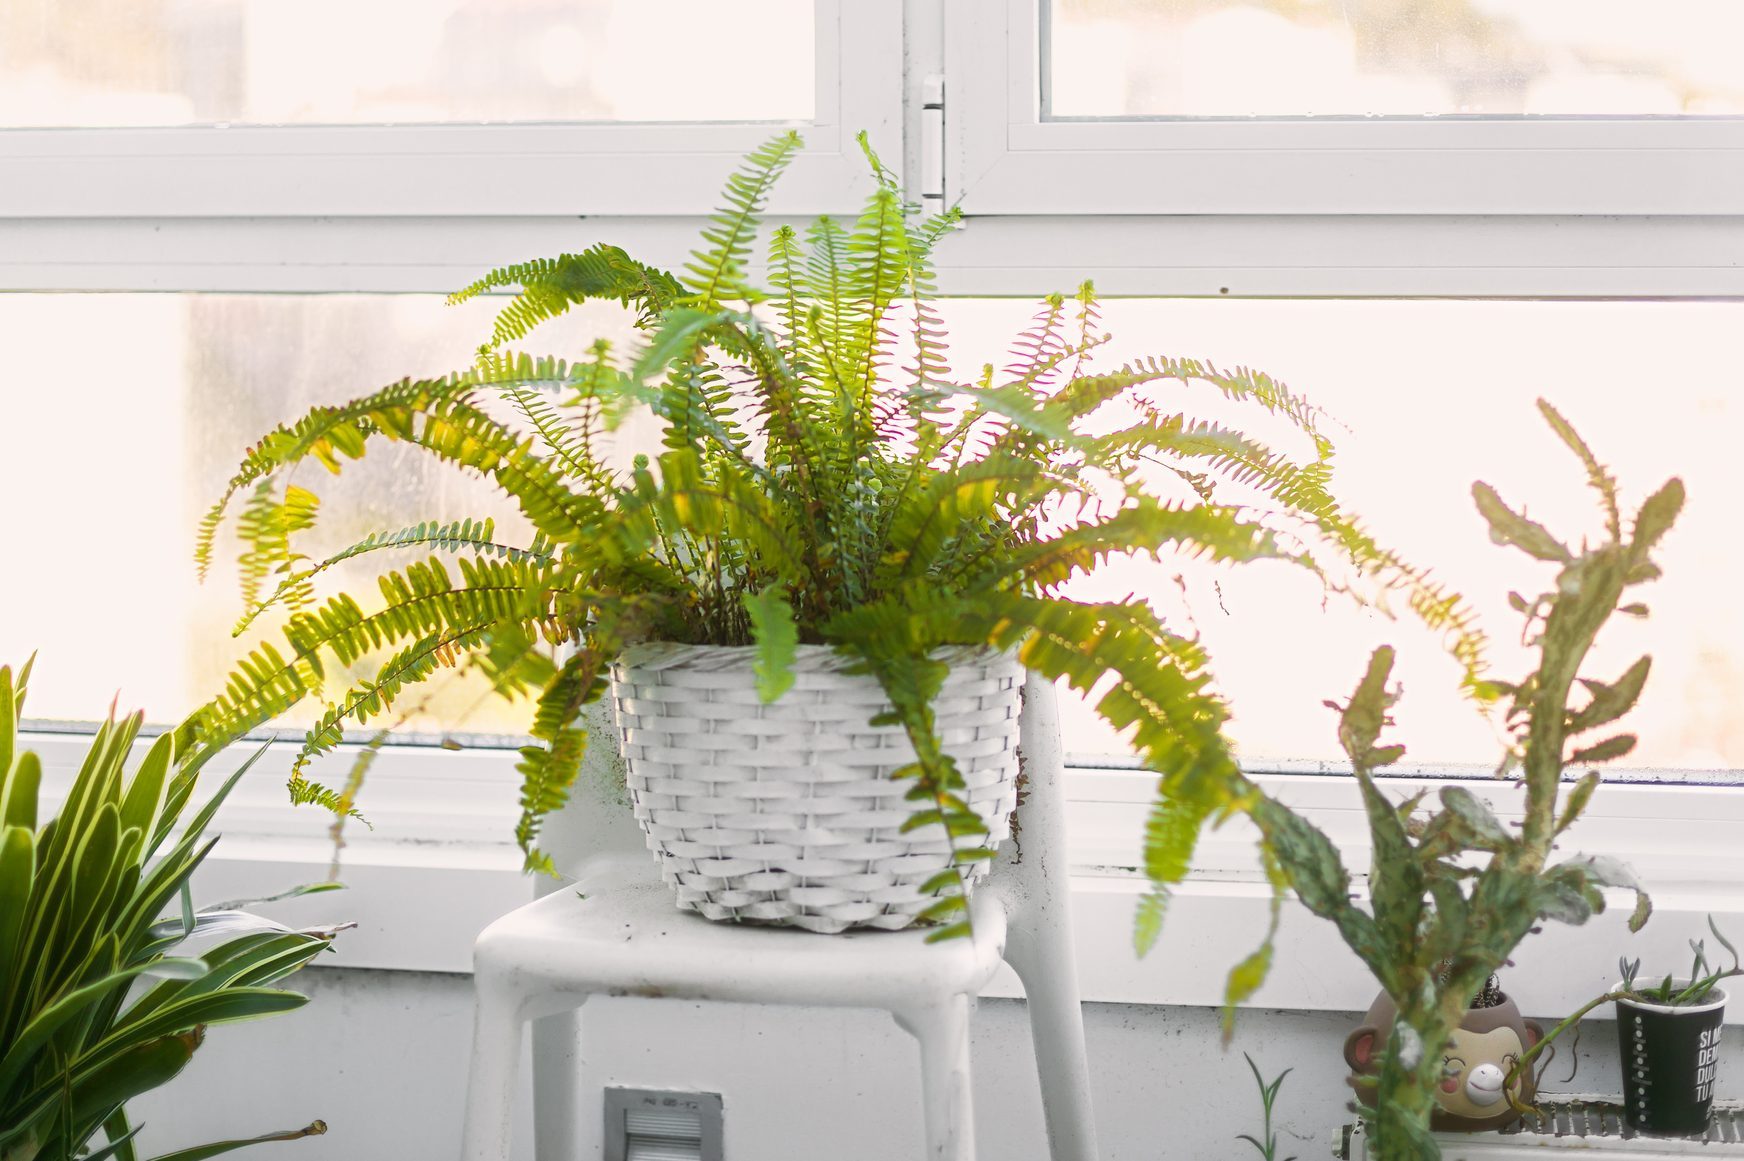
785	813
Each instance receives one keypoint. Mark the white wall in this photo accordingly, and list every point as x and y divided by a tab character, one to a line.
379	1055
382	1055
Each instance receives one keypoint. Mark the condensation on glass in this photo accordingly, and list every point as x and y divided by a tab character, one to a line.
1485	58
122	63
119	464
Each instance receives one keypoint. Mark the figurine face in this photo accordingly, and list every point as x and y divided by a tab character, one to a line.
1473	1066
1474	1063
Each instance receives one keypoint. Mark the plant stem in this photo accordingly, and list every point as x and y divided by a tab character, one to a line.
1526	1058
1405	1095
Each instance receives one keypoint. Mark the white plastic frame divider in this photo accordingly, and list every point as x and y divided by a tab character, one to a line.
1004	158
465	170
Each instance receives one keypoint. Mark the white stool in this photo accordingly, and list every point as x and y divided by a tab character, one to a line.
617	932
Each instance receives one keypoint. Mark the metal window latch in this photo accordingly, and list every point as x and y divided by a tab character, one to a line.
932	143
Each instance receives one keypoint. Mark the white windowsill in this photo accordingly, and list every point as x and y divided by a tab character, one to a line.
438	868
418	908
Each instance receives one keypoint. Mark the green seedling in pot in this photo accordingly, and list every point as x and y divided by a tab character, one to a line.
1701	982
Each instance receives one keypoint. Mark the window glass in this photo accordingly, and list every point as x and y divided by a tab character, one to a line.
111	463
342	62
1425	397
1492	58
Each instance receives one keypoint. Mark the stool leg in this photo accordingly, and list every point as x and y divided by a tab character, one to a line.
1043	961
490	1090
943	1032
556	1084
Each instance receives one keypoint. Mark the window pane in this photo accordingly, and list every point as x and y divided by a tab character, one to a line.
1230	58
344	62
1428	396
111	463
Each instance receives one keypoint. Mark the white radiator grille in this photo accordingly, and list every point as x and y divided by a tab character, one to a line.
662	1135
1592	1124
653	1125
662	1149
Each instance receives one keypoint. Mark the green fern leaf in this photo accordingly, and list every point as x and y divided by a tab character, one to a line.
777	639
550	286
714	274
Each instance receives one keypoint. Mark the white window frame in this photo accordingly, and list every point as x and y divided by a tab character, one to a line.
1007	159
1049	202
458	170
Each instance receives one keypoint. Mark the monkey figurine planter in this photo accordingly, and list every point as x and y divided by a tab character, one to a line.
1475	1062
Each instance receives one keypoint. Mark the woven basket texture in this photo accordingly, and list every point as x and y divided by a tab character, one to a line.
786	813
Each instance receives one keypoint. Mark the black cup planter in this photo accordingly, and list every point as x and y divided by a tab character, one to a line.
1670	1055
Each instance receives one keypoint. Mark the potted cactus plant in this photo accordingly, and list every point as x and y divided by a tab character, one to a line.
1452	891
831	573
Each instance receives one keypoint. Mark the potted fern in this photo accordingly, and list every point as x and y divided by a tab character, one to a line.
832	572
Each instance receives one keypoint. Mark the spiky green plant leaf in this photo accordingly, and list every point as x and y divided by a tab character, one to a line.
94	1008
1452	892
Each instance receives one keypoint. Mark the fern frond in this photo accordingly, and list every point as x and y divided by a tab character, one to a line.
1089	321
325	434
570	445
722	509
422	600
266	526
373	697
548	771
877	253
694	399
894	637
436	416
931	381
1145	526
828	320
1158	684
1171	834
1231	455
789	424
1040	350
776	637
468	535
262	686
931	517
791	289
550	286
402	410
715	274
